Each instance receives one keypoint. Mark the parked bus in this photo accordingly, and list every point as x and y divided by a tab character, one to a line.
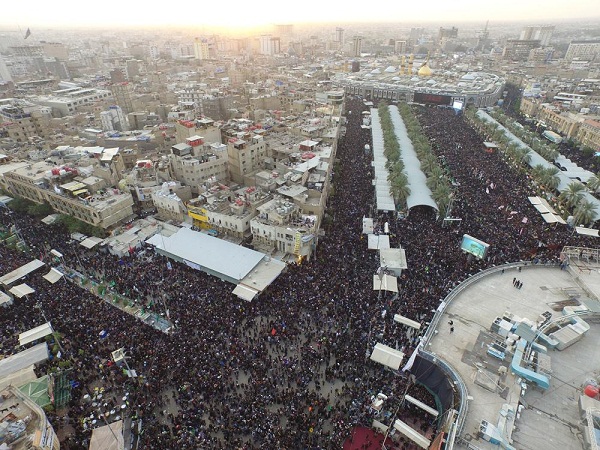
552	136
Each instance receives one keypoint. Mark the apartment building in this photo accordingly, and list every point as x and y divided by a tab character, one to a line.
193	163
589	133
204	127
65	102
587	50
245	155
281	227
170	199
68	193
22	120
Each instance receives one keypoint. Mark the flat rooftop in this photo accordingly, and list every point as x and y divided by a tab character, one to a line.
550	418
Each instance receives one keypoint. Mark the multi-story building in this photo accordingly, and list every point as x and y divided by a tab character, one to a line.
195	162
201	49
279	226
204	127
586	50
67	193
122	94
114	119
25	425
589	133
111	165
65	102
22	120
245	155
170	199
542	33
357	42
518	50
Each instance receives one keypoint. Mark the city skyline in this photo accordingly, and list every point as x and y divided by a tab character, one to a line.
68	13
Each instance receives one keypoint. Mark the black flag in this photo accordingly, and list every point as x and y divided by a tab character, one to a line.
27	33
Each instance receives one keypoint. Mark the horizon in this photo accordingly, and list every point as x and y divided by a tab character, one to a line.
239	16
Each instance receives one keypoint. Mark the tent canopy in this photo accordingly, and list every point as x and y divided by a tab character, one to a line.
21	360
90	242
54	275
385	283
22	271
22	290
5	298
378	241
35	333
406	321
387	356
37	390
245	292
103	438
587	231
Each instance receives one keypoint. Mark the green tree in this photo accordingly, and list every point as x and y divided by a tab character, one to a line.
573	194
593	183
584	213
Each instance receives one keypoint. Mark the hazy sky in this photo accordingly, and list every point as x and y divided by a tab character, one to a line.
244	13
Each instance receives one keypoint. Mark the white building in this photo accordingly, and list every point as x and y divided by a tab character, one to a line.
201	49
65	102
114	119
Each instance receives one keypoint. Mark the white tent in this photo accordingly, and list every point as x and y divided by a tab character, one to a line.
378	241
5	299
413	435
245	292
90	242
56	253
587	231
21	360
22	290
367	225
35	333
108	437
53	276
420	404
22	271
393	259
387	356
406	321
385	283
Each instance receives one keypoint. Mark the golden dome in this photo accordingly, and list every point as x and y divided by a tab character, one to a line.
425	71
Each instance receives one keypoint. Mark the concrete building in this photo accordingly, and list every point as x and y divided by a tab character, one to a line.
25	425
201	49
245	155
111	165
585	50
357	43
45	183
122	94
170	199
56	50
339	36
5	74
518	50
194	163
204	127
281	227
22	120
400	47
589	133
114	119
543	33
65	102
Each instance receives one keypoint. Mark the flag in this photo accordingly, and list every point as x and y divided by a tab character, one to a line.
27	33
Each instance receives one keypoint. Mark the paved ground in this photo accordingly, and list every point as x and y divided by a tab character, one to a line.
550	419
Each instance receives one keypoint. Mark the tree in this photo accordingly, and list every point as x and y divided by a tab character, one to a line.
593	183
40	210
573	194
584	213
550	178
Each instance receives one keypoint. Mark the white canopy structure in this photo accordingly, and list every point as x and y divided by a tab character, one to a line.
387	356
378	241
5	299
54	275
21	272
393	259
35	334
367	224
545	209
406	321
587	231
90	242
21	360
423	406
108	437
56	253
420	194
385	283
536	160
245	292
384	199
412	434
22	290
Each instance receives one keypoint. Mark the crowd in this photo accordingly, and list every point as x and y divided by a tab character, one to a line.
289	370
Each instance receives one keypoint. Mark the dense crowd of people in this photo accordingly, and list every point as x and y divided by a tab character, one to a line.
291	369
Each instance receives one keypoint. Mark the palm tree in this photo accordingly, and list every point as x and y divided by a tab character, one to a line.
584	213
593	183
573	194
550	178
442	195
400	192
